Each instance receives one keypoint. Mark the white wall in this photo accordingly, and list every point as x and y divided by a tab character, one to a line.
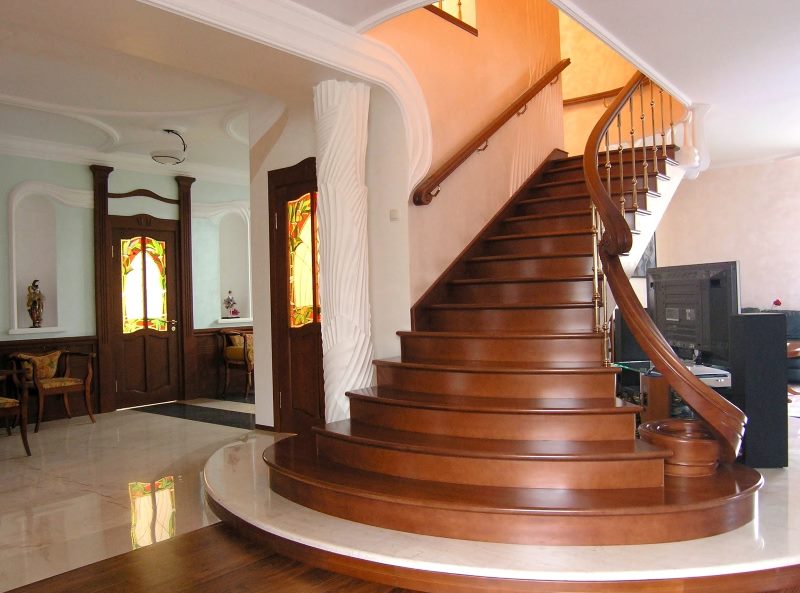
748	214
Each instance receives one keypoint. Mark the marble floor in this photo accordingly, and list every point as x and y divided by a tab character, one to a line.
71	503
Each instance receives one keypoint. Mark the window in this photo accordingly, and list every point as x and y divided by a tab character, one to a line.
144	284
303	260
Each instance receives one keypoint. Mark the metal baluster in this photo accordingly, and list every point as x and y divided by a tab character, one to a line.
460	16
671	122
663	129
621	165
644	140
608	165
653	124
606	325
635	203
595	269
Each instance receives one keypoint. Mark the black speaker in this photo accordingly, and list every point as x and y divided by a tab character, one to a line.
758	386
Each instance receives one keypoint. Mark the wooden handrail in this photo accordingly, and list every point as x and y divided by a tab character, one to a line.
593	97
424	192
725	420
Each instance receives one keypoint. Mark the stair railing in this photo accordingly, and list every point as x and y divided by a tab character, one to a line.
430	186
619	123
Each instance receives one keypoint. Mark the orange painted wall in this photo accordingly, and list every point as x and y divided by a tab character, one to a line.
467	81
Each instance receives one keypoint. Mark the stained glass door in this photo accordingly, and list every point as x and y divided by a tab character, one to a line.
296	311
144	319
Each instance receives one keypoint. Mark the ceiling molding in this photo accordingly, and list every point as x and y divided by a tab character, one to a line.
216	210
68	153
388	13
228	126
568	7
303	32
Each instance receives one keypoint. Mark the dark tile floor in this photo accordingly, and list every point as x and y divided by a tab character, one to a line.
203	414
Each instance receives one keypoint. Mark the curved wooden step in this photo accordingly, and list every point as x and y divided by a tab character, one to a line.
531	265
539	419
627	463
421	346
546	204
565	380
537	291
555	242
523	317
682	509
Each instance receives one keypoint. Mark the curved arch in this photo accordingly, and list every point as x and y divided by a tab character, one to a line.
303	32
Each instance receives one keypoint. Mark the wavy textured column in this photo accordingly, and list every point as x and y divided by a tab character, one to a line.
341	110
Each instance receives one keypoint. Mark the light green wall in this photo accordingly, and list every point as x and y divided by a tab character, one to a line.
75	239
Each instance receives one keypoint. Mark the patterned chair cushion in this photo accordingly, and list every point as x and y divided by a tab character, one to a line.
60	382
46	364
236	341
234	353
7	402
248	338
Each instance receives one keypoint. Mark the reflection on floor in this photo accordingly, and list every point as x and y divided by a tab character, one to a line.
92	491
225	413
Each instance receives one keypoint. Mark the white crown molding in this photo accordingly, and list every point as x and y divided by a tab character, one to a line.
611	40
71	197
216	210
303	32
388	13
79	155
227	125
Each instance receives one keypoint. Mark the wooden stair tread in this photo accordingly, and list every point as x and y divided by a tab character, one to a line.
503	366
495	305
296	458
525	279
568	214
520	256
494	404
491	448
543	234
500	335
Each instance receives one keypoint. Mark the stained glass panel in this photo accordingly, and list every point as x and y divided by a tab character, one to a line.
144	284
302	238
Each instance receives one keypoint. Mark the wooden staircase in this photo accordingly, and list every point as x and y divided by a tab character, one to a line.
499	421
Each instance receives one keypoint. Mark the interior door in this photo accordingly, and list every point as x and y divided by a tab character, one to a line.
144	311
299	397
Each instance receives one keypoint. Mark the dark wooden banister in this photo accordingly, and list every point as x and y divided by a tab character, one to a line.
424	192
724	419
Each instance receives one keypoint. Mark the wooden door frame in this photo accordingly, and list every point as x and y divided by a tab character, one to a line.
279	302
102	245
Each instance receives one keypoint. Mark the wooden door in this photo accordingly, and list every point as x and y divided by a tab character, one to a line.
299	397
145	284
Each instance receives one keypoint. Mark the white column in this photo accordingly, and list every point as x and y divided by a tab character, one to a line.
341	110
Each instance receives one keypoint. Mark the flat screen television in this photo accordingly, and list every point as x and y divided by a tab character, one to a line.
692	306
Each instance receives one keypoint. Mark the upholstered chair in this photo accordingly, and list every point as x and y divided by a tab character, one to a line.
237	353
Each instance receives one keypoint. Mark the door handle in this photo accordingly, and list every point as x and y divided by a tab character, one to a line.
173	323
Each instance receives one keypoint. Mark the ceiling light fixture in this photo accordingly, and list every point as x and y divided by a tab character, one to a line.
168	156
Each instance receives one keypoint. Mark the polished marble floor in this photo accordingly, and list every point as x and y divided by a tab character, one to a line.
72	502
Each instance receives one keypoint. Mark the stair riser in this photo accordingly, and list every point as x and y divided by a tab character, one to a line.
540	245
531	268
539	293
534	528
577	174
533	320
485	425
543	225
553	206
538	385
579	186
422	349
456	469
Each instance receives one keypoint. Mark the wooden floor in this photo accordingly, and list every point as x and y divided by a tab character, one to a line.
214	559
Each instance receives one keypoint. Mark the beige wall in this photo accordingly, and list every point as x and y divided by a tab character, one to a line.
749	214
467	81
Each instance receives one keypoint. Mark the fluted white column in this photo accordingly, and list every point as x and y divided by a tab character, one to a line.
341	110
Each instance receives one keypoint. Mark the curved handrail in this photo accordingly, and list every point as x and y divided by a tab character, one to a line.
725	419
424	192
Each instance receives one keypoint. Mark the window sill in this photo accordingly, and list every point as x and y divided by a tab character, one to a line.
36	330
235	321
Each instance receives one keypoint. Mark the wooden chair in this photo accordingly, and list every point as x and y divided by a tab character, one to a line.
11	409
237	353
50	374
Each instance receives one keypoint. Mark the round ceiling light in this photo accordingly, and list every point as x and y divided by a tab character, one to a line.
170	156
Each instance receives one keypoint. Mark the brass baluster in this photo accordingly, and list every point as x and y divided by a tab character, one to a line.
671	122
621	165
663	129
606	326
635	203
653	124
644	140
595	269
608	165
460	16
